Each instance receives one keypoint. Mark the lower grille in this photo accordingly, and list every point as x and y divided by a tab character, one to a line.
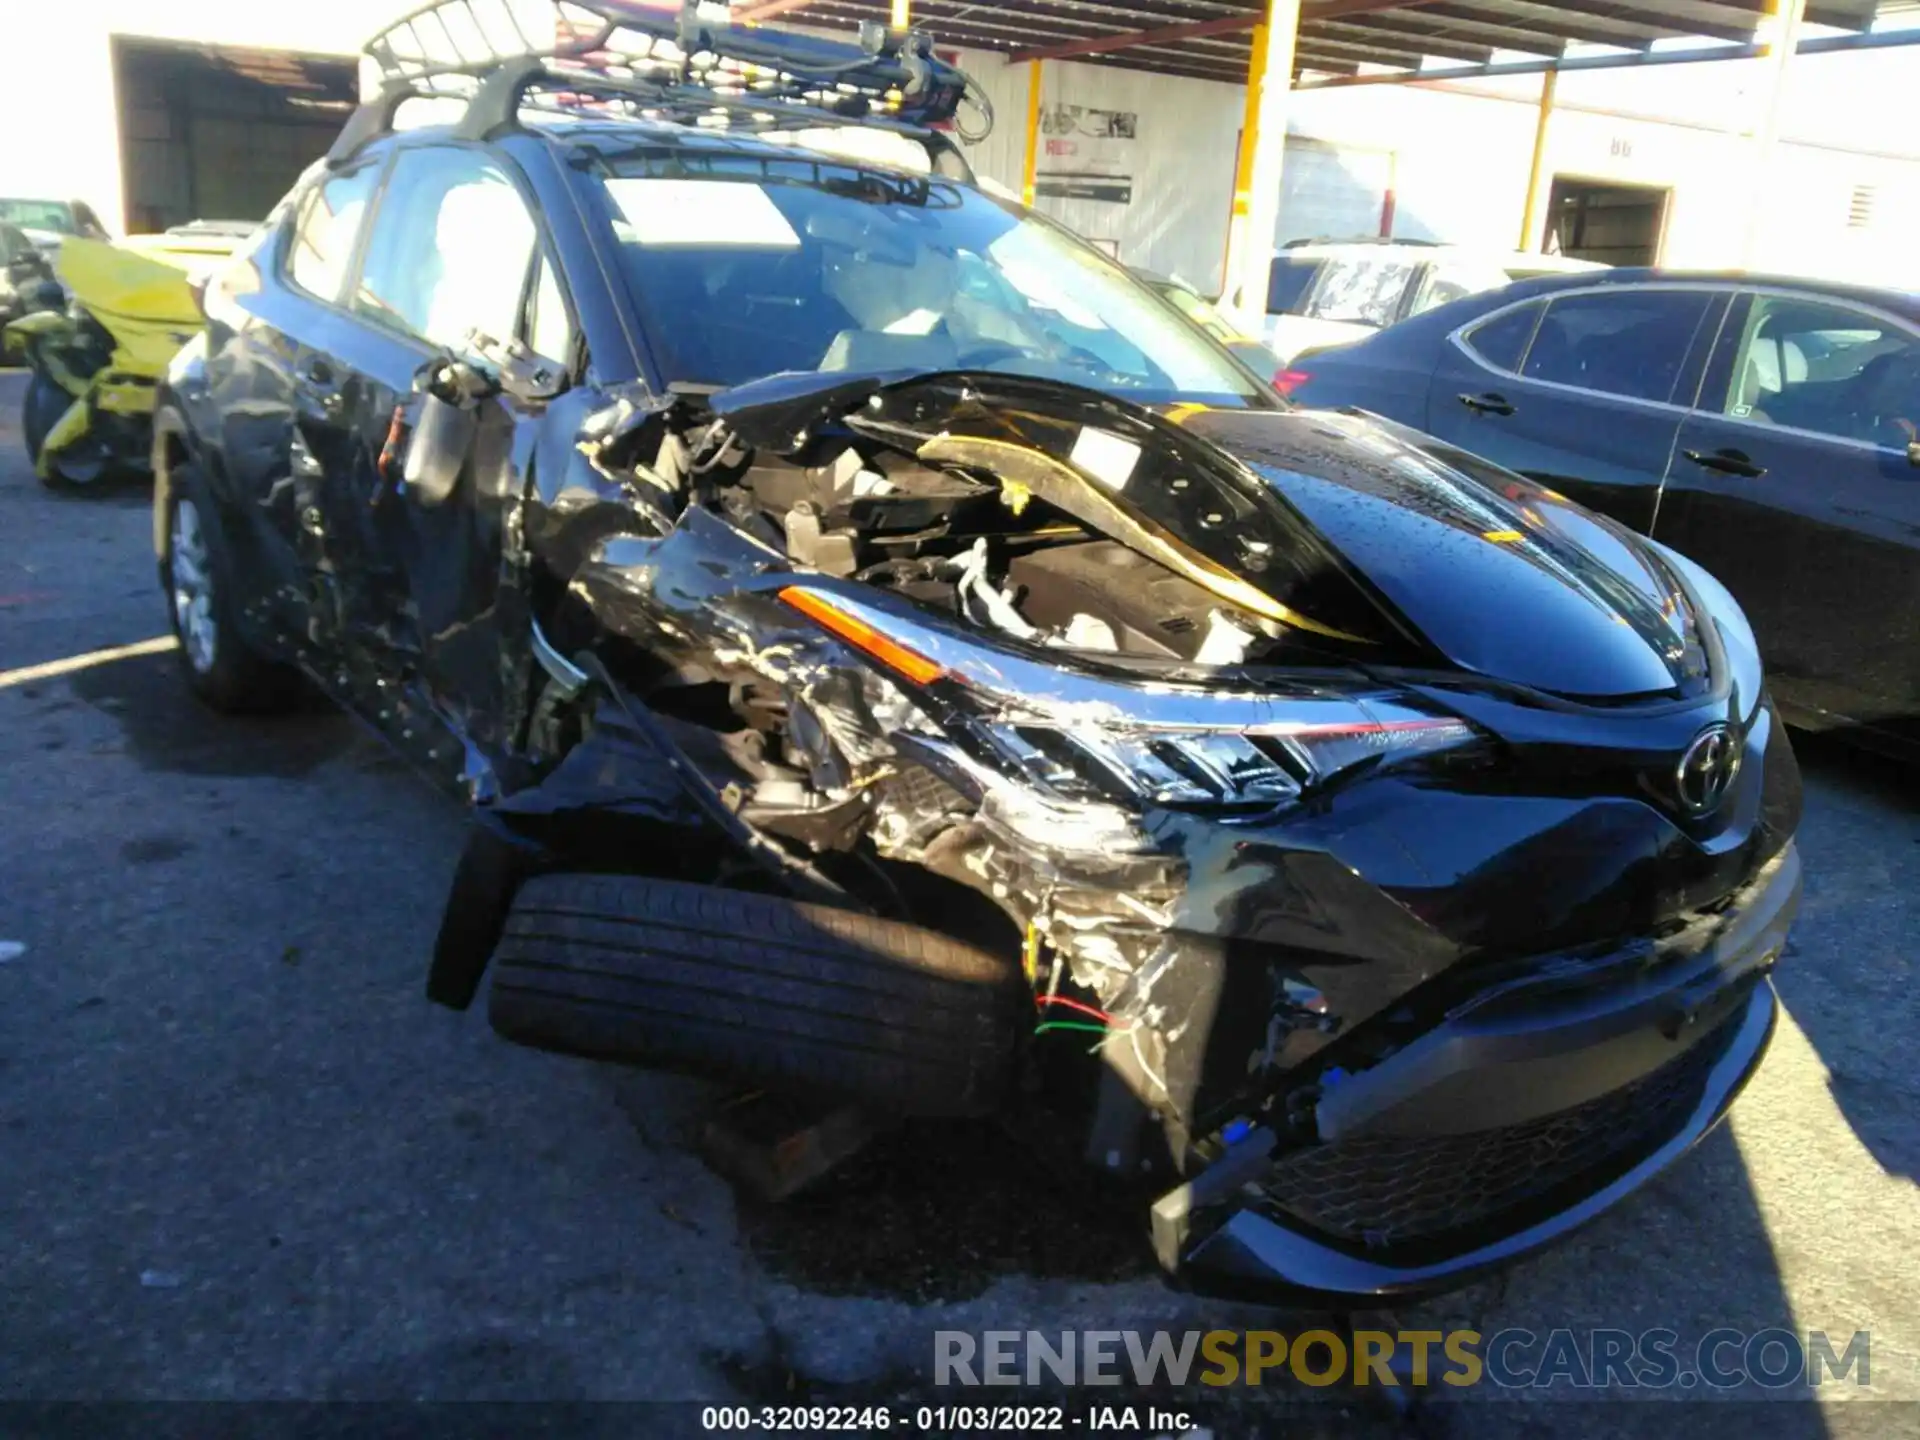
1386	1191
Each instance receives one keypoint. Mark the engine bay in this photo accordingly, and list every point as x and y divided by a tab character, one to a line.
975	548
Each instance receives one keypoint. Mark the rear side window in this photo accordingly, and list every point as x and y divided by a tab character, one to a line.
1620	342
329	224
1501	340
1287	284
451	250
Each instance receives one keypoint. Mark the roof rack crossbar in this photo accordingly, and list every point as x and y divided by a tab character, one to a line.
682	64
508	90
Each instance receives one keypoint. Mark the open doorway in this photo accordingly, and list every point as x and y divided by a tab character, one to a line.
220	132
1606	221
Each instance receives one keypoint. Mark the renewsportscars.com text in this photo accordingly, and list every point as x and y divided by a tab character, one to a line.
1599	1359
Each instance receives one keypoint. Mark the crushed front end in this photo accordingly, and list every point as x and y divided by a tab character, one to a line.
1405	919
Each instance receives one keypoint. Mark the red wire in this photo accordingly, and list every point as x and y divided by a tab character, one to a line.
1073	1005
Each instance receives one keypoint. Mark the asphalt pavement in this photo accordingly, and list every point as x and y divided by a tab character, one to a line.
242	1157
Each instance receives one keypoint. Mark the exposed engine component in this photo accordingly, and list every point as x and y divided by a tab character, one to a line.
1144	607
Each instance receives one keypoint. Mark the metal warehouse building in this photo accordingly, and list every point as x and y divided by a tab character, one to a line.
1669	132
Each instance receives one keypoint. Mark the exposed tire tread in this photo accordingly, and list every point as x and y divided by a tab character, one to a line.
822	989
756	988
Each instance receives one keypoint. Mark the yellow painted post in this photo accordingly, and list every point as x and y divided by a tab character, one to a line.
1243	163
902	15
1249	266
1530	217
1033	133
1783	39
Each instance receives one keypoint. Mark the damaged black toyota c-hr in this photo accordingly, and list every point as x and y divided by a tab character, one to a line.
893	656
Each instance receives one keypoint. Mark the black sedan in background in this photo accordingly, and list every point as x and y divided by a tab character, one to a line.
1767	428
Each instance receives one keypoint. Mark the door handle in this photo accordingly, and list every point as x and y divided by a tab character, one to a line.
1488	404
1727	462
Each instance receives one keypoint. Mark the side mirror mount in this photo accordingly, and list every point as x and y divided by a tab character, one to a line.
522	375
452	389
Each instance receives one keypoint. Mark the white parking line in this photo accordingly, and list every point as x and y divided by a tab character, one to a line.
47	670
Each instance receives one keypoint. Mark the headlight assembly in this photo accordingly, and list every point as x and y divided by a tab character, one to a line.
1176	744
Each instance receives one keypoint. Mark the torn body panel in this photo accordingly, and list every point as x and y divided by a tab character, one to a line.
1239	914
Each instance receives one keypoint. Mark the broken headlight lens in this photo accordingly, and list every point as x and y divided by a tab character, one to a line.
1268	763
1091	737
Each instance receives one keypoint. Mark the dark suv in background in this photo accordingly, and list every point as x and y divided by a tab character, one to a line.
1766	428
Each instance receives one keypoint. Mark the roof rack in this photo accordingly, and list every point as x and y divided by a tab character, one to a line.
627	57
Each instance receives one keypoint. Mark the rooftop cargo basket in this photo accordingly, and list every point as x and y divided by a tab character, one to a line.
627	57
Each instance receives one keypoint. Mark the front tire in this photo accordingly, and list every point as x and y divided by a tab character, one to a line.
757	989
203	601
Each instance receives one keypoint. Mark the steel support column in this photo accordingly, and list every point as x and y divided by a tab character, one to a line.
1243	171
1530	218
1263	147
1788	16
1027	181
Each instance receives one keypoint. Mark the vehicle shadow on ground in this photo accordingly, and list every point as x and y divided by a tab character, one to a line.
938	1211
1690	1255
164	728
1869	992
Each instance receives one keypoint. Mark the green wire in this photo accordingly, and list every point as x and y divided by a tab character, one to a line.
1070	1025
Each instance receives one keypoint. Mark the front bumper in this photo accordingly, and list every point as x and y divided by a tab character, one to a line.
1524	1114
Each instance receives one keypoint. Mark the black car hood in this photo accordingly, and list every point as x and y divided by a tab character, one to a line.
1377	538
1504	577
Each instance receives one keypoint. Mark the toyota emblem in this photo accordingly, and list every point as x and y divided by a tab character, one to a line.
1707	771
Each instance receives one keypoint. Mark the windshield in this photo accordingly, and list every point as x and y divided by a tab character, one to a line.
1363	291
54	215
756	264
1200	312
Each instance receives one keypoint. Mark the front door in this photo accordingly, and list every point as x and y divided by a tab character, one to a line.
1577	391
1795	483
451	262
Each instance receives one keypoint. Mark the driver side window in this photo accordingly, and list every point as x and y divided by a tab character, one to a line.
1827	368
452	247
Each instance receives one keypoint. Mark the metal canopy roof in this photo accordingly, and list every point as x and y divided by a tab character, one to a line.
1212	39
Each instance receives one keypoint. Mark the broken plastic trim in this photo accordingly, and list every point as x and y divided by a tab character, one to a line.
795	874
567	677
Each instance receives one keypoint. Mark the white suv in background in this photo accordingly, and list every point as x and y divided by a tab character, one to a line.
1332	293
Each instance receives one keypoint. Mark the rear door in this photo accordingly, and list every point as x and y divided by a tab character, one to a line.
1583	391
1795	483
450	262
267	320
